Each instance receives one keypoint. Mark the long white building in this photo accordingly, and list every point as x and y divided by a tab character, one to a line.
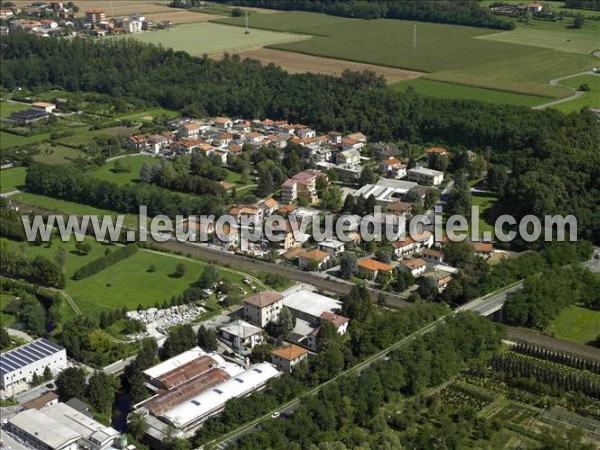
18	365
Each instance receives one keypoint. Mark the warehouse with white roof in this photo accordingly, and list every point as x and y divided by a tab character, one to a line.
307	305
18	365
194	412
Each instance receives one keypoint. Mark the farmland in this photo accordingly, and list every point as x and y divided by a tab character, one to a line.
200	38
461	55
300	63
441	89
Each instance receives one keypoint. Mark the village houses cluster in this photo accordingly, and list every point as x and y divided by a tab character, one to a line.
49	19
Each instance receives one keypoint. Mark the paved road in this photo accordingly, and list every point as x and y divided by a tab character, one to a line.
532	337
556	82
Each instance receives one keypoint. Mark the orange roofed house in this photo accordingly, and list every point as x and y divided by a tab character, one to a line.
370	268
313	259
301	185
263	307
285	358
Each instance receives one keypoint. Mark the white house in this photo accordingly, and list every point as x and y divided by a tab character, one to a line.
426	176
241	334
416	266
332	247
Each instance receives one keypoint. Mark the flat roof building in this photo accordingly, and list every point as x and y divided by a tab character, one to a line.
309	306
17	366
195	411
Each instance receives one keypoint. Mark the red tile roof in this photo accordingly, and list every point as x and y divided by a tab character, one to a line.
263	299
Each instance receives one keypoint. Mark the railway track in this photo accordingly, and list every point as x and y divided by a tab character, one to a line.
571	348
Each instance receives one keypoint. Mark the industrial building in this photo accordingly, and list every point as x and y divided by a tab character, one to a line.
307	305
17	366
60	427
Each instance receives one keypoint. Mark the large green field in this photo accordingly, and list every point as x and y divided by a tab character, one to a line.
7	108
12	179
576	324
553	35
440	89
589	99
134	162
458	54
201	38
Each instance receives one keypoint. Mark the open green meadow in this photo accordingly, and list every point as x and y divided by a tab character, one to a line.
67	207
590	98
56	154
12	179
7	108
576	324
201	38
552	35
134	162
149	114
487	216
84	136
440	89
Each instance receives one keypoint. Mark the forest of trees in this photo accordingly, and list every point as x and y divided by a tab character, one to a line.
553	166
583	4
349	412
440	11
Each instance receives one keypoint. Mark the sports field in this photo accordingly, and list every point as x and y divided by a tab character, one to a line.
441	89
201	38
457	54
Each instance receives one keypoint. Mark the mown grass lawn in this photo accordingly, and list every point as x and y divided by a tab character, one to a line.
135	162
576	324
486	204
441	89
129	283
12	179
56	154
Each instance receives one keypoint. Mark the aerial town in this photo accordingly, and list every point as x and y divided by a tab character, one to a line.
284	224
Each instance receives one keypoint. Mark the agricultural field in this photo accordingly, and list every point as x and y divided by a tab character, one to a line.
553	35
300	63
456	54
12	179
200	38
576	324
441	89
84	136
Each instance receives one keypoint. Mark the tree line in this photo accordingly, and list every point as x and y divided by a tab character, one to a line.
441	11
37	270
109	259
70	184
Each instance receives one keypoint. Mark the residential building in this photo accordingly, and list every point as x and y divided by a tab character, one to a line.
399	208
223	123
263	307
441	278
483	249
433	256
393	168
351	144
95	15
247	214
268	206
17	366
46	399
416	267
348	157
370	268
286	358
425	176
281	233
404	248
335	137
339	322
137	142
190	130
440	151
301	185
157	143
384	150
333	247
313	260
132	26
306	133
241	335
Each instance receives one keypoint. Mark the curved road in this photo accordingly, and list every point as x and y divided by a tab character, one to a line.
556	82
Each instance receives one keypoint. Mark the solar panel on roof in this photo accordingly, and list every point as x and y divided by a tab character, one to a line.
26	354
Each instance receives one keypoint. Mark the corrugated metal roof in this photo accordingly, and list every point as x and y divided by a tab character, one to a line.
26	354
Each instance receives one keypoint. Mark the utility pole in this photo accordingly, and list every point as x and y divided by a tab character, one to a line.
415	37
